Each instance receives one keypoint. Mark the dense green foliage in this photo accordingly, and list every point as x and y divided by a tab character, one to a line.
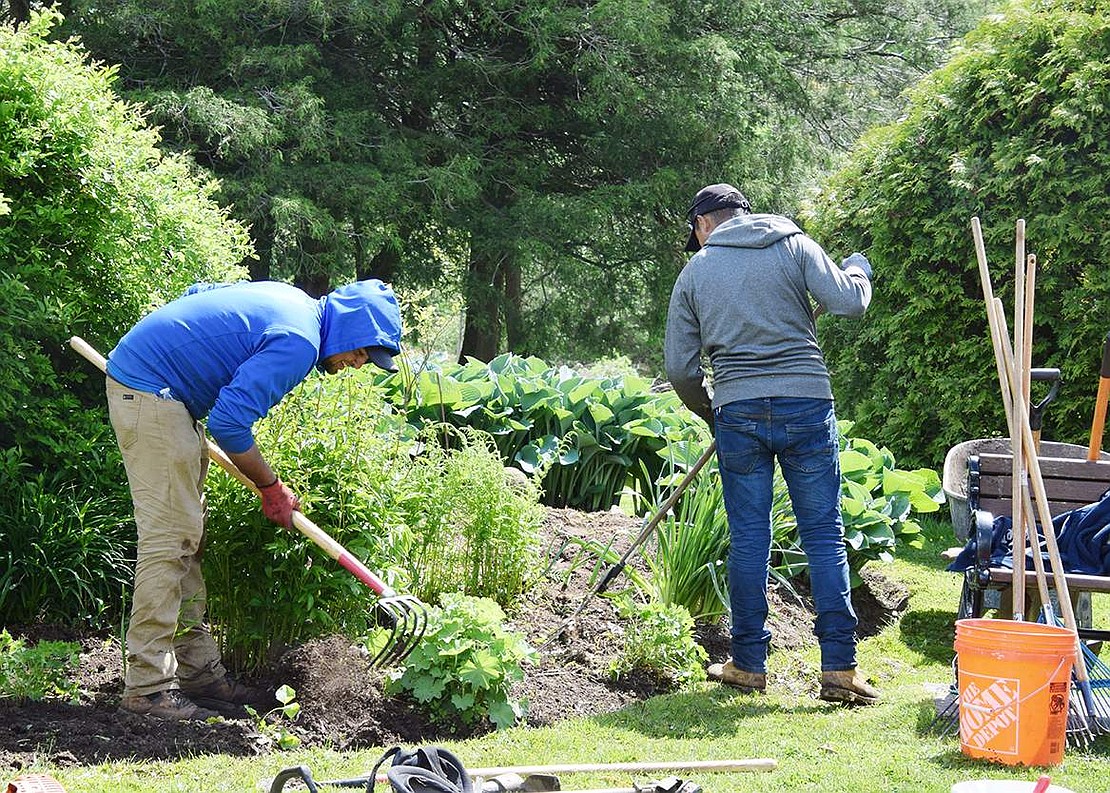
1013	127
586	437
659	641
465	666
96	225
428	519
532	155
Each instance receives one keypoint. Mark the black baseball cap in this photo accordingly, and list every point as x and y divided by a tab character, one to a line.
381	357
708	199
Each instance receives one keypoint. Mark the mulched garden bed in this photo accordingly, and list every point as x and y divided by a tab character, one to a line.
342	706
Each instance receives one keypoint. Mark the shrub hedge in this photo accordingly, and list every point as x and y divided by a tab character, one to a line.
1014	126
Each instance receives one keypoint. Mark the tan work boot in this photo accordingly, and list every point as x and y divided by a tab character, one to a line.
847	686
748	682
227	695
169	705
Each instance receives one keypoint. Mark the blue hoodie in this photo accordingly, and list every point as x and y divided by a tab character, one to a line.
232	351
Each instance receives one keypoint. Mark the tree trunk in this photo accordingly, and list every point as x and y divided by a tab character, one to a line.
313	277
19	11
383	265
263	229
484	283
514	315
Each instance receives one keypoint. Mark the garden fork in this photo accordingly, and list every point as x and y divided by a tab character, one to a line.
404	616
649	527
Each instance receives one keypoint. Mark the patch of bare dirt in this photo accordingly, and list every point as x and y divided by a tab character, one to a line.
342	705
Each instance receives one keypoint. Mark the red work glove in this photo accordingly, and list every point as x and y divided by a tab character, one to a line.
278	503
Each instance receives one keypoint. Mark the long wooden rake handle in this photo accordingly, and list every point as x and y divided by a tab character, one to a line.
300	521
1099	420
1019	417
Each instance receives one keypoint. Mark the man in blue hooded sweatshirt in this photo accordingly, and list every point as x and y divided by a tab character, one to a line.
229	352
743	301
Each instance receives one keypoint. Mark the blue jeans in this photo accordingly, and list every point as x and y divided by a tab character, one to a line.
802	434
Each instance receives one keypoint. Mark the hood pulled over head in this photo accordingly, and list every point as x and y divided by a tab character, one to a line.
752	231
362	314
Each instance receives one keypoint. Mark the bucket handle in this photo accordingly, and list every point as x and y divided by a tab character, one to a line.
1034	692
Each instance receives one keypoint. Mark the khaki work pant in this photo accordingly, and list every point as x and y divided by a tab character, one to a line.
165	457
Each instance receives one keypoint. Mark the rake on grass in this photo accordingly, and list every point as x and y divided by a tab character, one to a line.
404	616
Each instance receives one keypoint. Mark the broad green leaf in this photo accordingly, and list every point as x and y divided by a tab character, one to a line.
480	670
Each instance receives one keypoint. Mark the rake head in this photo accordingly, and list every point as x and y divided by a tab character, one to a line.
406	619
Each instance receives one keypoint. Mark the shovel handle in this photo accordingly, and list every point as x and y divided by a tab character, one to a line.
1099	419
300	521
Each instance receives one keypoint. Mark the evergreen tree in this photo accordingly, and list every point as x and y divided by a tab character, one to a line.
534	154
1013	127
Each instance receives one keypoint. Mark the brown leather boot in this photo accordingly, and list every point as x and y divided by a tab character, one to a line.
847	686
748	682
169	705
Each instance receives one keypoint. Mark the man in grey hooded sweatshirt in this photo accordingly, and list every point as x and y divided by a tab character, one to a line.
743	301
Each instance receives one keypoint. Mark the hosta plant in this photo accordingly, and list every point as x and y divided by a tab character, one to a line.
589	437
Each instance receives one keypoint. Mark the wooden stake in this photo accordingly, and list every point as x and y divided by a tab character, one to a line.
758	764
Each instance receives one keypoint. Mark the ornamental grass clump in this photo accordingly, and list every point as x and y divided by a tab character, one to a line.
475	530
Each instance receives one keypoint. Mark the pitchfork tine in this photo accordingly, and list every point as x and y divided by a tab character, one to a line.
408	619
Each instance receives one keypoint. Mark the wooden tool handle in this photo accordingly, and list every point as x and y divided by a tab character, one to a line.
1099	420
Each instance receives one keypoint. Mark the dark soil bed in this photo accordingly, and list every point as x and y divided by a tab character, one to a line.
341	701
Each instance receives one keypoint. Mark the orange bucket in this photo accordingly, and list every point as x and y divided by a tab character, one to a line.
1014	679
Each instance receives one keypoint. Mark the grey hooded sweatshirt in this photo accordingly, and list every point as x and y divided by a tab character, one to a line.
743	300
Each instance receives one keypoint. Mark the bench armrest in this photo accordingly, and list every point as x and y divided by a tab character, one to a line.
983	525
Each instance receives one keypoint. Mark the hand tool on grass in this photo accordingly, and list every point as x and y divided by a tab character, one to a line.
303	775
404	616
646	532
1099	419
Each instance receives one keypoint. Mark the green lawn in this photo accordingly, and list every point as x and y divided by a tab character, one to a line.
817	747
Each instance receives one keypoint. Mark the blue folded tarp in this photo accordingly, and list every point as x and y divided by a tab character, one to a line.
1082	534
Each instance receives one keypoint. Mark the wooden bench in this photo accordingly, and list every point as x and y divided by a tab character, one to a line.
1069	483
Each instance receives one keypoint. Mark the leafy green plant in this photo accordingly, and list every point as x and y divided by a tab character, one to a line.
65	555
466	664
878	501
686	557
340	450
659	640
474	531
98	225
37	672
273	725
428	519
589	437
